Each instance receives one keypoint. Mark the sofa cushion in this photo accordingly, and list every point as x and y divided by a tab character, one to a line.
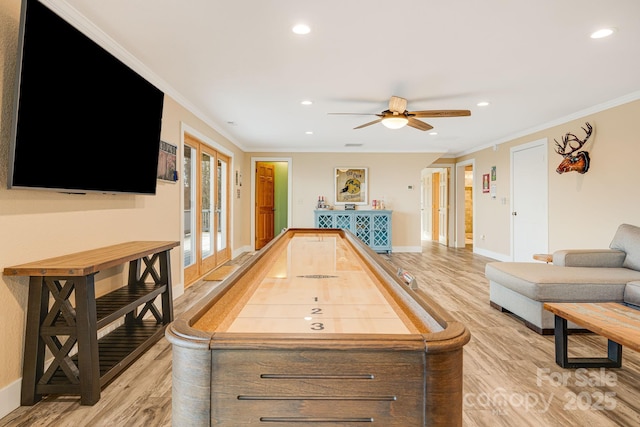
627	239
589	258
632	293
547	282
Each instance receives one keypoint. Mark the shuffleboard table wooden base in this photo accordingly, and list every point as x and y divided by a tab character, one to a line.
316	329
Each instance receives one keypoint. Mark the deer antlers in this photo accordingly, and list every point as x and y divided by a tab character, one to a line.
578	162
568	138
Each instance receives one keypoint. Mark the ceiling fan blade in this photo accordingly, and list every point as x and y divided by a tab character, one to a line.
440	113
355	114
418	124
397	104
368	124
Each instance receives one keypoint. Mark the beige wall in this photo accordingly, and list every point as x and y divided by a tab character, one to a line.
584	209
389	176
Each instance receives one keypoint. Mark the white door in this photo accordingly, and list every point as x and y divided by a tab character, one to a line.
529	200
443	207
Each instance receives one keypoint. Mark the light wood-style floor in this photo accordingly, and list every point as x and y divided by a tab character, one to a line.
510	377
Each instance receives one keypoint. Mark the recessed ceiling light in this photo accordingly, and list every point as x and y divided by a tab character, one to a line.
482	104
604	32
306	102
309	132
433	133
301	29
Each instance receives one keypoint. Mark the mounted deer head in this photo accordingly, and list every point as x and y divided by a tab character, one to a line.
579	161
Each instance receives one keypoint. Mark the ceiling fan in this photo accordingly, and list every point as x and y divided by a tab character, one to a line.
397	116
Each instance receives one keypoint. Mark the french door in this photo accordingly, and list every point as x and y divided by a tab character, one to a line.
206	209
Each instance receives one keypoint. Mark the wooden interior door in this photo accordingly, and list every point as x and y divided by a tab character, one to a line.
265	181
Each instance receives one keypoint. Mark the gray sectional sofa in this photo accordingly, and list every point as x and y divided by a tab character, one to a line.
578	275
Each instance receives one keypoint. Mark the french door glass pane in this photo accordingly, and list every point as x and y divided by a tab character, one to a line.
207	172
189	168
221	206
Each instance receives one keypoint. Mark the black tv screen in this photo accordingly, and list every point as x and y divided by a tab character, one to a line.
84	121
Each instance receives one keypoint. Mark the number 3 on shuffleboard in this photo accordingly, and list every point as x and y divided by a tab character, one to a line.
317	326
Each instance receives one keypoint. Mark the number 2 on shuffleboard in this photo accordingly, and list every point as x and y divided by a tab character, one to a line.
317	326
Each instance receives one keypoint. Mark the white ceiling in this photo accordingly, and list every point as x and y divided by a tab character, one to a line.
238	65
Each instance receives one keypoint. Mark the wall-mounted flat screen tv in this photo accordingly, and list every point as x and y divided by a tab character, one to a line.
83	120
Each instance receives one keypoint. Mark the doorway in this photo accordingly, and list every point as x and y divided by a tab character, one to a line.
271	193
464	223
206	240
468	205
435	204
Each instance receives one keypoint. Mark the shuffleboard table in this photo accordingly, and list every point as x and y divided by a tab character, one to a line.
316	330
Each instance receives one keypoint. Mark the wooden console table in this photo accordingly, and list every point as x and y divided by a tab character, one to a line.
61	326
617	322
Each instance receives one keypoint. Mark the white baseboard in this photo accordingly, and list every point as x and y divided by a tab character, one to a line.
10	397
417	249
489	254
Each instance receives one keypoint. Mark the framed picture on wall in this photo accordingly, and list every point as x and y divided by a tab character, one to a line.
485	183
167	162
351	185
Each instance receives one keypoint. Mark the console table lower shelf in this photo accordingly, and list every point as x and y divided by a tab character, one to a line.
83	364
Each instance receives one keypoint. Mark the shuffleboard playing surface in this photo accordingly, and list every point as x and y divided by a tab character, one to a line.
319	285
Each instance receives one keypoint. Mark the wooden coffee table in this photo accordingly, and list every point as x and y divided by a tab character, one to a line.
617	322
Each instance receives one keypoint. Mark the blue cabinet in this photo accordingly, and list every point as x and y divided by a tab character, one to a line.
373	227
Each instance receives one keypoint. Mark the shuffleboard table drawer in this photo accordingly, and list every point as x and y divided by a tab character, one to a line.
300	386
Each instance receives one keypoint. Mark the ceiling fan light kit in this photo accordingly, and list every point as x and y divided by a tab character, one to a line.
395	122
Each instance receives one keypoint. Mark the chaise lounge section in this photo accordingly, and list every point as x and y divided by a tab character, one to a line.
584	275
